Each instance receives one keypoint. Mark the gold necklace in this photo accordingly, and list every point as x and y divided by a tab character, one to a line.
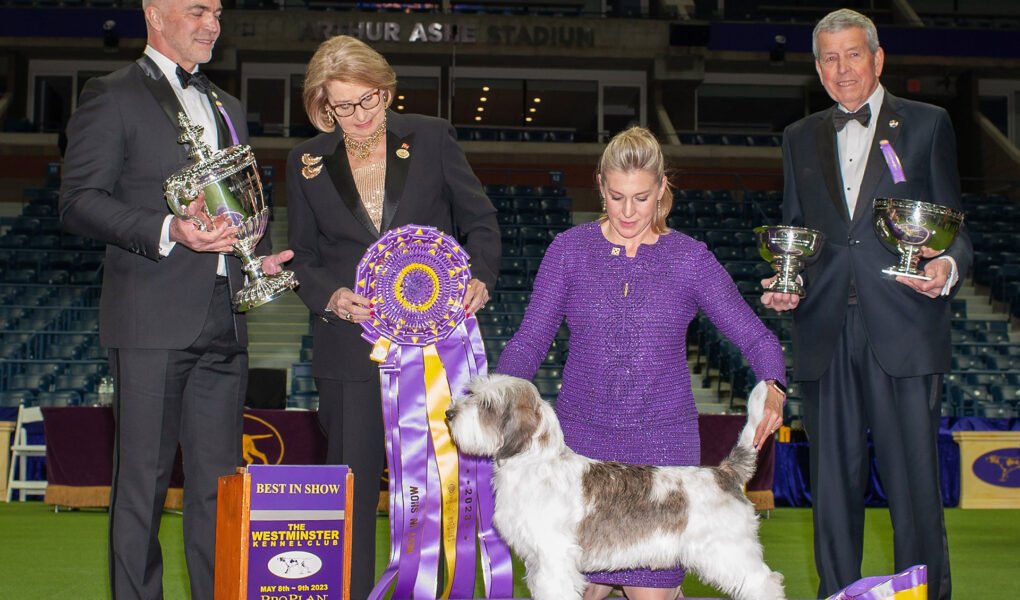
363	149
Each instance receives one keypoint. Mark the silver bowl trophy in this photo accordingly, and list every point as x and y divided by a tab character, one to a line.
907	226
788	249
233	190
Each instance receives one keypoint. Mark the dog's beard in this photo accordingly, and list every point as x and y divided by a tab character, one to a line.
471	434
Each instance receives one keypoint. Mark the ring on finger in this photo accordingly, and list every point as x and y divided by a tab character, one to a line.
349	316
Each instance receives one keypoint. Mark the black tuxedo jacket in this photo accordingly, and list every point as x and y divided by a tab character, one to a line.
908	332
330	229
123	146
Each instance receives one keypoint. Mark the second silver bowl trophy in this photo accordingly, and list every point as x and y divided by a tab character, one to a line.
233	190
907	226
788	249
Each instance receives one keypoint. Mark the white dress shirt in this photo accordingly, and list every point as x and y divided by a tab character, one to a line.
854	143
198	108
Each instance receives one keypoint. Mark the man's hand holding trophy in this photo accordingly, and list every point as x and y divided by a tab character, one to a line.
917	230
787	249
221	208
914	229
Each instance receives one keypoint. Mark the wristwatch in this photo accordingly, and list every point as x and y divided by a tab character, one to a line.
779	387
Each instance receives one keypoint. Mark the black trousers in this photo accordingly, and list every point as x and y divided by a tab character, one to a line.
192	397
350	414
854	396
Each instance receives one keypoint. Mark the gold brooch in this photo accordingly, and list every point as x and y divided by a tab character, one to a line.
402	151
313	165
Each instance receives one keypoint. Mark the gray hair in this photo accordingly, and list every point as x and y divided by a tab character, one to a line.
841	19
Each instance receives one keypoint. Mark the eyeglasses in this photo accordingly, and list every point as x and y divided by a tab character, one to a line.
367	102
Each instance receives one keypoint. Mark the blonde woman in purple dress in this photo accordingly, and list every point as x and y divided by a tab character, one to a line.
628	288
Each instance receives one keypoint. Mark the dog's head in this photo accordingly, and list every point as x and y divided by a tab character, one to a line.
502	416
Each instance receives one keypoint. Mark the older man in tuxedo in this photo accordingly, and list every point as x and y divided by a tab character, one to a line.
870	351
177	352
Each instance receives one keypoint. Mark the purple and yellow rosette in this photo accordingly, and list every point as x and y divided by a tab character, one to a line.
427	348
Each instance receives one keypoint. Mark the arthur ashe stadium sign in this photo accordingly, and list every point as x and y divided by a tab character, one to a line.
562	36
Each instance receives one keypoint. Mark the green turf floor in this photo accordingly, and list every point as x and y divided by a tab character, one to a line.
46	555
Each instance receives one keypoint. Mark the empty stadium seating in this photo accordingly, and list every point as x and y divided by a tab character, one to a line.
49	293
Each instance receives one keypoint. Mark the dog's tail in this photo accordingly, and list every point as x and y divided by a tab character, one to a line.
741	462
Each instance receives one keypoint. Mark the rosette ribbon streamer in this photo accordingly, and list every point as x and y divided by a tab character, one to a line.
441	501
911	584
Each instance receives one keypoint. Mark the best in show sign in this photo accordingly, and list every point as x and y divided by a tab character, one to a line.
289	538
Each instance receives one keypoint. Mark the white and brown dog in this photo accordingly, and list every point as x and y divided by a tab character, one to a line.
565	514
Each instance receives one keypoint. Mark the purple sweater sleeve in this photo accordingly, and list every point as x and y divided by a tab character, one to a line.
525	352
721	301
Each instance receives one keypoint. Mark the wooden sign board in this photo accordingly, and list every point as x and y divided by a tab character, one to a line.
283	532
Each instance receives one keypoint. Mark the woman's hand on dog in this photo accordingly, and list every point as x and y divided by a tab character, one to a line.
772	418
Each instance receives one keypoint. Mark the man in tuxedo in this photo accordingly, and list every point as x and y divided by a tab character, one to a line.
870	350
177	352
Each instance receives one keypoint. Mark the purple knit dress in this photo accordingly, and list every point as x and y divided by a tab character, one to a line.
626	393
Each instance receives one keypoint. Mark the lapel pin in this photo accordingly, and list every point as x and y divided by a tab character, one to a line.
402	151
312	165
894	123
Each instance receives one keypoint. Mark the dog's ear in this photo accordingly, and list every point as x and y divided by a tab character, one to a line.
519	420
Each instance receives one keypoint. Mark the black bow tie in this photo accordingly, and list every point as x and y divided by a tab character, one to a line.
198	80
862	116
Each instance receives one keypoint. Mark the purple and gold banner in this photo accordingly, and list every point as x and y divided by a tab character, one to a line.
911	584
441	501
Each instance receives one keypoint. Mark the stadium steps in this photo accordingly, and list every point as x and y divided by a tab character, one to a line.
275	329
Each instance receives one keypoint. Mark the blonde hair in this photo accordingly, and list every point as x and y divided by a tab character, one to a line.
347	59
636	149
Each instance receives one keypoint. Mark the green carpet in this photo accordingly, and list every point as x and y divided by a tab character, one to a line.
46	555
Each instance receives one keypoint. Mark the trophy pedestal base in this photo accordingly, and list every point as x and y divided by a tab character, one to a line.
791	288
263	290
892	271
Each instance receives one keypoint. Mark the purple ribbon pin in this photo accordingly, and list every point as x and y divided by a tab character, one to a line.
891	159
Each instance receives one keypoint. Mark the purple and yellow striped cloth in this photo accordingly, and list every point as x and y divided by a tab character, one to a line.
911	584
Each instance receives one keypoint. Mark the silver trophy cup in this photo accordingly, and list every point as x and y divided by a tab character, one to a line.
788	249
907	226
233	190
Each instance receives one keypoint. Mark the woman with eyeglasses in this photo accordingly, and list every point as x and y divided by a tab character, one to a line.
370	170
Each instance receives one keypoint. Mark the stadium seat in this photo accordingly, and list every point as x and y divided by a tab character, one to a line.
32	383
556	203
1005	394
58	398
303	400
77	383
17	397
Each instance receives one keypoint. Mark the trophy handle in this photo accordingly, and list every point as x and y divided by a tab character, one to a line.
199	223
180	209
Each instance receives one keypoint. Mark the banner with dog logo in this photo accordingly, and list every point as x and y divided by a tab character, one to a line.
441	501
